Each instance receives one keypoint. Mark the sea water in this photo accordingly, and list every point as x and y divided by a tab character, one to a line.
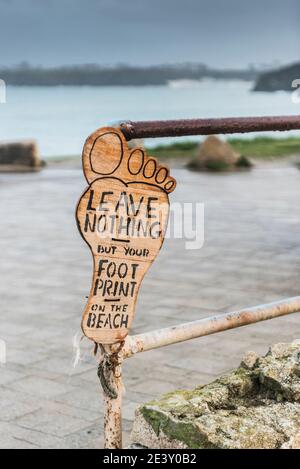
60	118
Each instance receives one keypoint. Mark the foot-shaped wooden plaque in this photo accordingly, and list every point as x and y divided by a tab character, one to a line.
123	217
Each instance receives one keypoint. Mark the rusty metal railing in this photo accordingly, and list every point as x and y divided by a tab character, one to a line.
228	125
114	355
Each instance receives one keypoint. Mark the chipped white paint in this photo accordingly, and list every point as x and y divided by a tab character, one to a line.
210	325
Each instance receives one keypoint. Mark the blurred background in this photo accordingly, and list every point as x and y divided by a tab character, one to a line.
71	66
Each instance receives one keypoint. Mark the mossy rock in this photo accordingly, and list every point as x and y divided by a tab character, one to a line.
255	406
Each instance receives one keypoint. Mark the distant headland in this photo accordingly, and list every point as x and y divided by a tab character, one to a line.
130	75
118	75
279	79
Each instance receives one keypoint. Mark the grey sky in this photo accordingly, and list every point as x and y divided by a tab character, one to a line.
221	33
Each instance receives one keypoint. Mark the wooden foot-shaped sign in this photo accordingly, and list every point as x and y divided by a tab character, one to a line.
123	217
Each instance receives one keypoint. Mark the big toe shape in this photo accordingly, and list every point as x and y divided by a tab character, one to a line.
103	153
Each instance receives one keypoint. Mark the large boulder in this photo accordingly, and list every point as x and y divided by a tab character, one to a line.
255	406
217	155
19	156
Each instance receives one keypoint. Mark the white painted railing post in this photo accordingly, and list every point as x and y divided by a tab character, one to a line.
110	375
113	414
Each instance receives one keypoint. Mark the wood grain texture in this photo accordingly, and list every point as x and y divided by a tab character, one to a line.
123	216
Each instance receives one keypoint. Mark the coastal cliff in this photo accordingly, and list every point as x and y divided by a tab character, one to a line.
280	79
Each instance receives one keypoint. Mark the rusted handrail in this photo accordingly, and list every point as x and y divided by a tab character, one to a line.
229	125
